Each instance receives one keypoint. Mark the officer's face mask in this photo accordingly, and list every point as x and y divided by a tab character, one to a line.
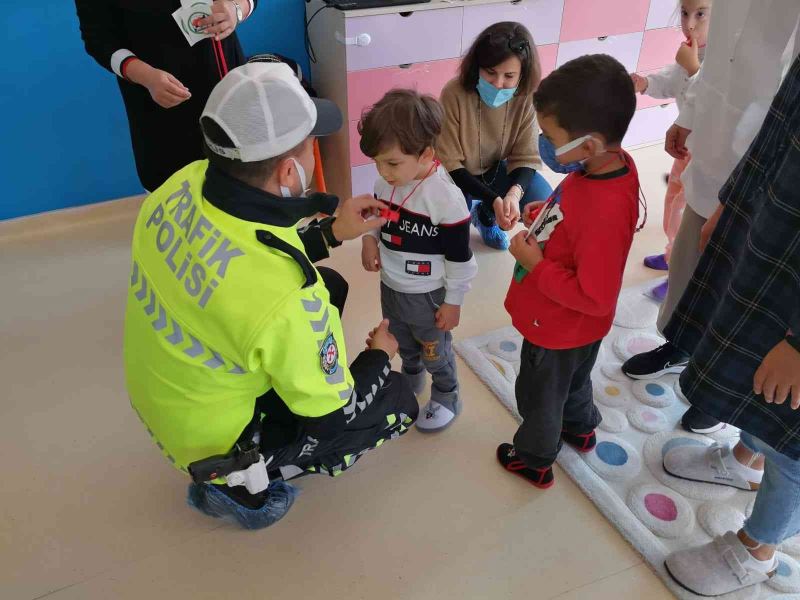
301	173
550	154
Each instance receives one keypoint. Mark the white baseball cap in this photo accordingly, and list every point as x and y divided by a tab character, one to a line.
266	112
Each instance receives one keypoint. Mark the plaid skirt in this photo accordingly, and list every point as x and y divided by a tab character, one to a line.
744	296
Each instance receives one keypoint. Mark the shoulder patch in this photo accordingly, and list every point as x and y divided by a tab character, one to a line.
329	355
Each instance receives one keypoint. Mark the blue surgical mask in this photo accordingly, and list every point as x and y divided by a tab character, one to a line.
549	154
492	96
301	173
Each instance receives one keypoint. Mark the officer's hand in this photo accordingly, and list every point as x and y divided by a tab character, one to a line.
355	217
381	339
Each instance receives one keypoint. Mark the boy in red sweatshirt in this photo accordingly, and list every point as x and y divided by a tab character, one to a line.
570	263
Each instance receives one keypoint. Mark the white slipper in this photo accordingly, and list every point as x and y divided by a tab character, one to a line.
719	567
434	417
712	464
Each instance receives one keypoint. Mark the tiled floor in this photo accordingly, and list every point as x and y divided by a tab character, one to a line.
92	511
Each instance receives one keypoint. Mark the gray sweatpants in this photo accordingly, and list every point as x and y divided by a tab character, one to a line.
682	263
412	320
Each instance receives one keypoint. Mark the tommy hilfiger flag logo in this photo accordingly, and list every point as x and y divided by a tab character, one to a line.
418	267
392	239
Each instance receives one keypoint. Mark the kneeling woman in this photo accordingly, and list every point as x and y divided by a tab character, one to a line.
490	135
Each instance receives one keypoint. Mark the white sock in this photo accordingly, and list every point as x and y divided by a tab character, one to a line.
748	472
762	566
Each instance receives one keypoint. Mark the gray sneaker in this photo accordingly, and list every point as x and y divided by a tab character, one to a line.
719	567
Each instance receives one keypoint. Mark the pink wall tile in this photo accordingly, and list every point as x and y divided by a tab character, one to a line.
658	48
548	56
585	19
365	88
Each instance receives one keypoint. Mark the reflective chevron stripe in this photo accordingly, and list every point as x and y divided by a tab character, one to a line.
176	337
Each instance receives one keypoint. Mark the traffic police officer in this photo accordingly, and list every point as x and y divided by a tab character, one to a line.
234	352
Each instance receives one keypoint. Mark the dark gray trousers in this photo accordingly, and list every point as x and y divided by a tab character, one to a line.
554	393
412	320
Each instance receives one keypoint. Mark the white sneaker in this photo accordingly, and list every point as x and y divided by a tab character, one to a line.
434	417
713	464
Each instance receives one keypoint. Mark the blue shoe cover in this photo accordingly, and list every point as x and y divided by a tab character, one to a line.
209	500
492	235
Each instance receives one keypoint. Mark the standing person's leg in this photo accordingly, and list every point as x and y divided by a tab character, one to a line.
739	560
668	358
683	261
409	348
337	287
440	361
542	389
674	204
581	416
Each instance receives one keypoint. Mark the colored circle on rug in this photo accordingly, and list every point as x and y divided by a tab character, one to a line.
717	518
658	444
613	420
614	458
635	310
630	343
653	393
665	512
613	371
787	578
507	348
648	419
609	393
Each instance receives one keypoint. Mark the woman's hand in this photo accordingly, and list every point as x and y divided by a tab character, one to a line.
639	83
165	89
778	377
222	20
506	210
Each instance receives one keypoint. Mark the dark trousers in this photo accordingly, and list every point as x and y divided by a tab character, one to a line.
391	413
554	393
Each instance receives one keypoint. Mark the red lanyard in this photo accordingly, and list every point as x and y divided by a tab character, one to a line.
394	215
219	56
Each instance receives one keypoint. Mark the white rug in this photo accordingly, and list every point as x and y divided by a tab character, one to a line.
624	477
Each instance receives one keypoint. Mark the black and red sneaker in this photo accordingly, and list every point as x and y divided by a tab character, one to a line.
582	442
541	478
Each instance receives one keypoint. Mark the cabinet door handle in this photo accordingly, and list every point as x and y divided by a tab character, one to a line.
362	39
